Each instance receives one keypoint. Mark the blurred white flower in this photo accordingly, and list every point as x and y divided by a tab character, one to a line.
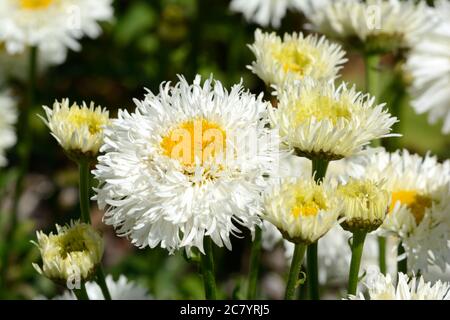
7	121
428	64
50	24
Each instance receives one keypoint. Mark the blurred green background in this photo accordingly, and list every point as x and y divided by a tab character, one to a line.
151	42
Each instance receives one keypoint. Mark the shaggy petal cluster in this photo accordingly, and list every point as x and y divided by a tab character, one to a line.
189	162
7	121
420	201
302	210
381	287
266	12
428	65
50	24
365	204
71	254
321	121
294	57
78	129
373	25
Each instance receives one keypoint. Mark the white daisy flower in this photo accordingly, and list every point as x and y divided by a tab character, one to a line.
301	209
7	121
78	129
428	64
73	253
50	24
380	287
122	289
419	206
379	25
190	162
294	57
266	12
319	121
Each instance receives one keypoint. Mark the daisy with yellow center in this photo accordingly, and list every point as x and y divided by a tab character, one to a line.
419	189
294	57
78	129
320	121
72	254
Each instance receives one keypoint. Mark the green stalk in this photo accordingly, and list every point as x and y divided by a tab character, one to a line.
382	254
296	264
357	250
319	170
81	293
255	257
23	150
402	265
207	268
372	77
83	166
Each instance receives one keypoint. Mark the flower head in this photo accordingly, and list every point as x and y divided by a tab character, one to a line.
428	66
320	121
382	287
365	205
7	121
190	162
73	253
294	57
301	209
78	129
50	24
374	26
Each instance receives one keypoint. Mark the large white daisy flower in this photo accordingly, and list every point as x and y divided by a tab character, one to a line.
428	64
318	120
190	162
122	289
419	206
266	12
7	122
50	24
294	57
381	287
372	25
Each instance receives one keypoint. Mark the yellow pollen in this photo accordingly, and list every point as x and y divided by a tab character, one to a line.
35	4
322	107
84	117
293	59
415	202
195	139
308	203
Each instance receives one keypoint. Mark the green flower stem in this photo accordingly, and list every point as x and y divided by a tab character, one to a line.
255	259
81	293
402	265
319	170
207	268
83	166
312	271
23	150
372	74
102	283
357	250
382	254
397	95
296	264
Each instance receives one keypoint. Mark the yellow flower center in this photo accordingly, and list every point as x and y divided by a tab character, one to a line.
309	202
84	117
293	59
195	139
35	4
415	202
72	241
322	107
